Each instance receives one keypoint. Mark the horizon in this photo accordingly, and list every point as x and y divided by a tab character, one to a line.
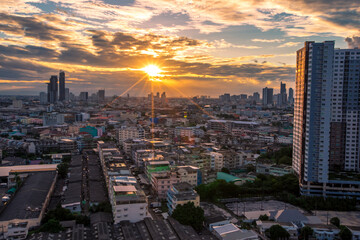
202	47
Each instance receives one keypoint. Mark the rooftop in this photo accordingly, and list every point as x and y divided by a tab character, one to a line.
28	201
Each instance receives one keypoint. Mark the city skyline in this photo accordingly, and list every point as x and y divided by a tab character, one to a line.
201	48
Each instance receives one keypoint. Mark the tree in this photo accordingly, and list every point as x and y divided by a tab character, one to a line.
306	232
188	214
264	217
52	226
225	170
345	233
335	221
277	232
62	169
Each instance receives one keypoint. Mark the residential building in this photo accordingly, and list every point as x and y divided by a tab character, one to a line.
132	132
52	94
326	120
180	194
267	96
43	98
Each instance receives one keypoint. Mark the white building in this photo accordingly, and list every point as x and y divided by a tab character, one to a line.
216	161
53	118
132	132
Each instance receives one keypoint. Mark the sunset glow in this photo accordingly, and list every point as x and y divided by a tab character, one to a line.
152	70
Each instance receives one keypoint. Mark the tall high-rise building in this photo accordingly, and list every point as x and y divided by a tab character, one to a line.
267	96
326	120
67	94
101	95
283	94
256	97
53	89
84	96
291	96
43	98
62	86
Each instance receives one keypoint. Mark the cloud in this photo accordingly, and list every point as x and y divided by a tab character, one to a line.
353	42
267	40
41	44
289	44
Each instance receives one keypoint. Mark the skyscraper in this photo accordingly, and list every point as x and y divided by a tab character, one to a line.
62	86
291	96
326	119
101	95
43	98
268	96
67	94
256	97
53	89
84	96
283	94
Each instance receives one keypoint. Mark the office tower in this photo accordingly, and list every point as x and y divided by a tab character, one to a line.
291	96
225	97
163	97
283	94
256	97
243	96
67	94
268	96
326	120
53	89
62	86
84	96
101	95
43	98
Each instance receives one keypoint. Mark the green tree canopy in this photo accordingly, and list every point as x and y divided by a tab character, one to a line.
306	232
188	214
345	233
335	221
277	232
62	169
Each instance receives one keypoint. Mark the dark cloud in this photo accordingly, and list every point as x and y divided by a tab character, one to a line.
32	27
353	42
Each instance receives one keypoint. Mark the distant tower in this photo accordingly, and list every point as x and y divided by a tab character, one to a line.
53	89
67	94
291	96
101	95
283	93
43	98
62	86
268	94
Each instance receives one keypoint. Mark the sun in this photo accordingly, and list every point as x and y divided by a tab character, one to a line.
152	70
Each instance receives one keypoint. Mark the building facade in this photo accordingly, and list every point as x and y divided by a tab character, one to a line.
326	117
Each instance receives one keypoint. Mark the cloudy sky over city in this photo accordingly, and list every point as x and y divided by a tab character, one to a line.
204	47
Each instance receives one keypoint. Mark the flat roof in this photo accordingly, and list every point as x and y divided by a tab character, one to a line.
31	195
129	188
4	171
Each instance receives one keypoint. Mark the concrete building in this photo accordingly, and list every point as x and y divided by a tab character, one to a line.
267	96
53	118
61	86
125	133
52	94
43	98
180	194
216	161
129	203
27	207
326	120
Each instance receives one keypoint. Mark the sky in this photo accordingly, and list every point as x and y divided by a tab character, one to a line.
204	47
